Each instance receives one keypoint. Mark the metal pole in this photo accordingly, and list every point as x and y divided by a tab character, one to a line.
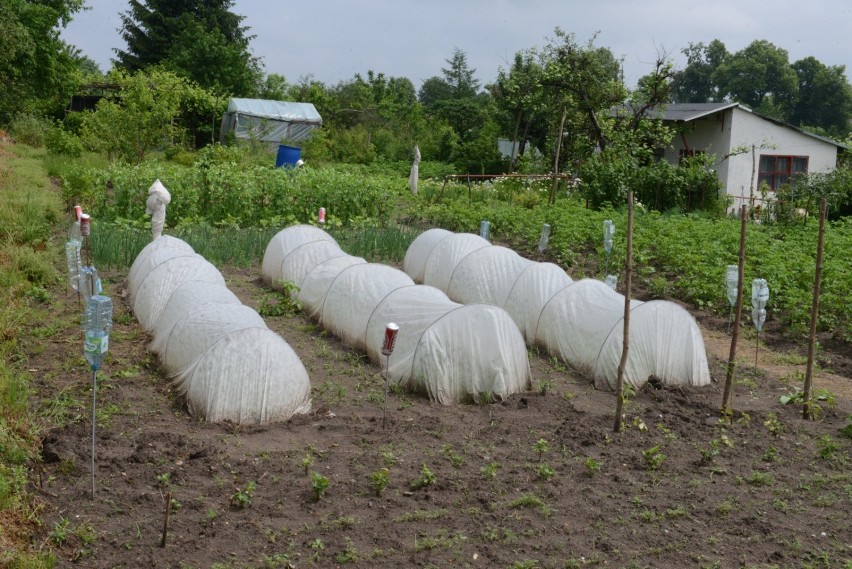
94	403
387	376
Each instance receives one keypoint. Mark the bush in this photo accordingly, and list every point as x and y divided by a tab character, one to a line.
30	129
59	141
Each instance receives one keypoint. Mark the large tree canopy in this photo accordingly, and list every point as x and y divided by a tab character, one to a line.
201	40
38	71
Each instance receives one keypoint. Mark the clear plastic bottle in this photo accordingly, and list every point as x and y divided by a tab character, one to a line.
609	233
732	276
75	265
759	299
545	237
611	281
485	229
97	323
90	283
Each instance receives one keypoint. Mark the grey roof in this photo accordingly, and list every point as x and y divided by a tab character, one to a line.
278	110
686	112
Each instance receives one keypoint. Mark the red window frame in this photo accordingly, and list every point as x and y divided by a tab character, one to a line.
776	169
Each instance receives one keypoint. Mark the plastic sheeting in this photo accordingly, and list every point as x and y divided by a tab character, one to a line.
283	243
450	351
269	121
580	322
217	352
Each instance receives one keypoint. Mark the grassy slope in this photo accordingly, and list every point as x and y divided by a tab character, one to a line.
28	260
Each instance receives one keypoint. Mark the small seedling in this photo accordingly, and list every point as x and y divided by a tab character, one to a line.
592	466
771	454
60	531
164	479
653	457
319	484
380	480
774	425
427	478
707	455
828	449
545	472
541	446
389	458
450	454
489	471
545	385
242	497
307	462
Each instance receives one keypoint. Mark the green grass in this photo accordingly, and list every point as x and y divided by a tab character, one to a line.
27	269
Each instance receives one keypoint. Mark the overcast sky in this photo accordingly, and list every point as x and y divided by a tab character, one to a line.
332	40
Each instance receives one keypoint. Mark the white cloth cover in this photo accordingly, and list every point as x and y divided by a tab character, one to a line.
418	252
446	255
283	243
249	376
164	242
486	275
666	347
354	295
302	260
576	321
536	284
152	261
157	287
187	297
316	283
158	198
202	327
441	347
450	351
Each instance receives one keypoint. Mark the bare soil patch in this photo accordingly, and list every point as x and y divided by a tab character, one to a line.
539	480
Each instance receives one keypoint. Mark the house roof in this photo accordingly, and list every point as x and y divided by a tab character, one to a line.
687	112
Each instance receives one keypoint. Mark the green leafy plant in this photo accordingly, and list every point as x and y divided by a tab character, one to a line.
541	446
653	457
489	471
307	462
545	472
282	302
427	478
381	480
319	485
243	496
592	466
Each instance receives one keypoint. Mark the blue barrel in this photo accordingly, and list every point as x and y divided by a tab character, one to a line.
287	156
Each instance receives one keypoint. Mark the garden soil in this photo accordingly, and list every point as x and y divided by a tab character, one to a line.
538	480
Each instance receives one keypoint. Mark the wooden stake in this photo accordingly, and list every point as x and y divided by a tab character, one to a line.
727	408
166	519
552	199
807	412
628	284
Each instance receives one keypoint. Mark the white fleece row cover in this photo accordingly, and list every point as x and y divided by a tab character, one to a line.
216	351
450	351
581	322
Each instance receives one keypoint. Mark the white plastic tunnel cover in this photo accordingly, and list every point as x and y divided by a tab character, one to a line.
219	353
418	252
452	352
283	243
249	375
154	253
575	321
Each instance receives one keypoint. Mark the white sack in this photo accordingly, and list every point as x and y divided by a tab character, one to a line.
158	198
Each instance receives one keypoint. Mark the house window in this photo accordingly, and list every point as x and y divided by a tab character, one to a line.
776	170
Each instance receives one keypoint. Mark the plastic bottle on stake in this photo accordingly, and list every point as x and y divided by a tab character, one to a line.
485	229
609	233
611	281
545	237
759	299
97	323
74	263
732	275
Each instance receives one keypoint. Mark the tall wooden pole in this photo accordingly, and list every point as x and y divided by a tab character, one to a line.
807	412
556	159
628	285
727	407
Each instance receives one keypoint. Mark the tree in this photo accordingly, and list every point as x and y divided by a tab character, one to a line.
695	83
825	97
143	118
759	76
459	76
200	40
37	69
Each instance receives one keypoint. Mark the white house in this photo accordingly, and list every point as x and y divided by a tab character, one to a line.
749	148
